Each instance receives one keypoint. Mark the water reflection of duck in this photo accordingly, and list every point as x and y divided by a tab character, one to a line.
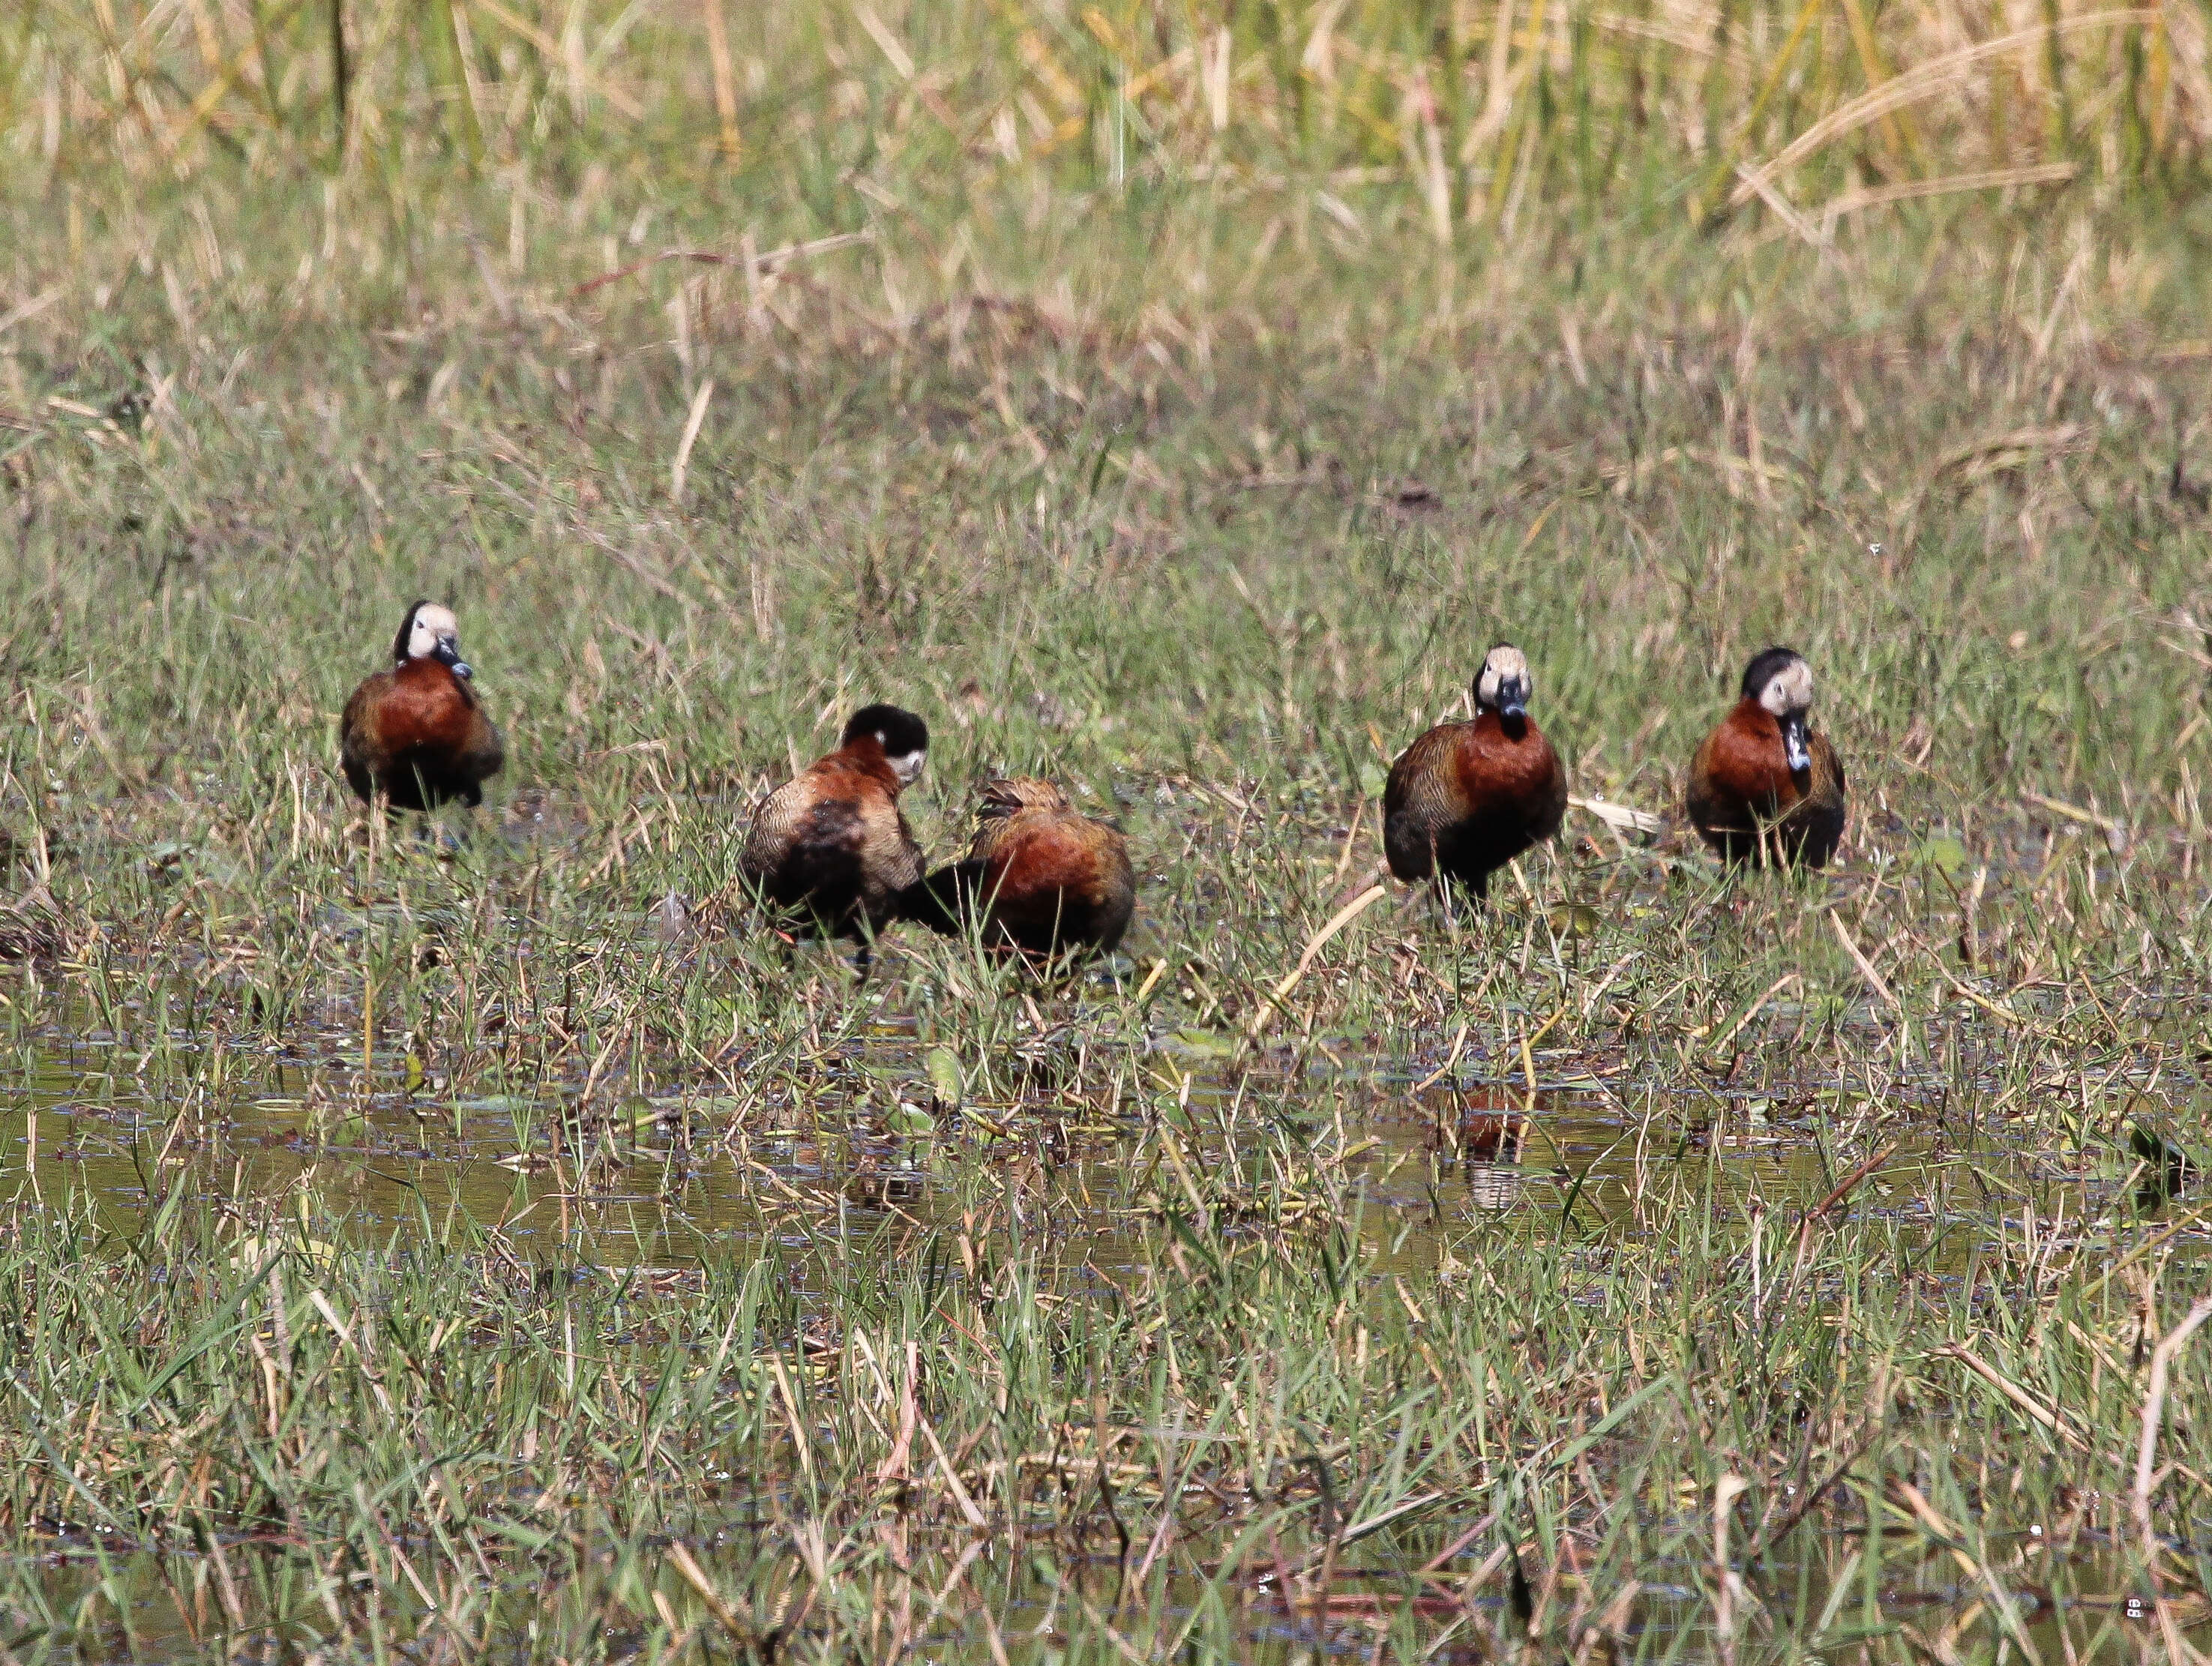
2167	1170
888	1190
1040	876
1467	798
1483	1124
1765	786
1490	1145
417	736
830	850
1491	1136
1485	1132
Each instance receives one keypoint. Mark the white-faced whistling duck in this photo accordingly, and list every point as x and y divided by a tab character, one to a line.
1467	798
829	851
417	735
1765	786
1040	876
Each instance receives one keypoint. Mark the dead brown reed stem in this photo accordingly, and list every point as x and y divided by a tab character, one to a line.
2154	1414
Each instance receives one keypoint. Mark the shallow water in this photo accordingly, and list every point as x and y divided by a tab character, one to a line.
143	1605
1422	1146
668	1176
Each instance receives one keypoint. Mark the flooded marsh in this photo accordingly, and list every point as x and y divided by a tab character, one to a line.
953	1311
485	1236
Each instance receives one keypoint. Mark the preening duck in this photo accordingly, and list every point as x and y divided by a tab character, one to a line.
1039	877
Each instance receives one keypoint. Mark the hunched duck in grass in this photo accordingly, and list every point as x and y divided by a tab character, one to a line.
1040	876
829	851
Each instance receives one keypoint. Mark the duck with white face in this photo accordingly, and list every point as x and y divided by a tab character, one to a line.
1503	685
431	632
1786	693
1466	798
417	736
1765	786
902	737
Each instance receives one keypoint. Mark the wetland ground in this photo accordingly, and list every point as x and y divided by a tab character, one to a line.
485	1242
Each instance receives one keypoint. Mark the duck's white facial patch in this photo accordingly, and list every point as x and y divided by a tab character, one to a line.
1789	690
433	624
907	766
1504	664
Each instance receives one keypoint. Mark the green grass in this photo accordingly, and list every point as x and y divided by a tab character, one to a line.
440	1454
417	1250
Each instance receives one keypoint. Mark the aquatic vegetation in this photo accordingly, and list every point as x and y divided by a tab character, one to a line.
482	1234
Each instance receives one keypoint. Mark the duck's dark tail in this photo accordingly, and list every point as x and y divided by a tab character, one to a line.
943	900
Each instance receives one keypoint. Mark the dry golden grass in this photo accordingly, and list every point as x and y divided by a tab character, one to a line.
1471	118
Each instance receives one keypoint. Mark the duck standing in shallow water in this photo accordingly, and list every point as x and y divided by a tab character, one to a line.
1042	876
1467	798
829	851
1765	786
417	736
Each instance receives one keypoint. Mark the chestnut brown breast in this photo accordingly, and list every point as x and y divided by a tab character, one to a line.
1748	806
418	736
